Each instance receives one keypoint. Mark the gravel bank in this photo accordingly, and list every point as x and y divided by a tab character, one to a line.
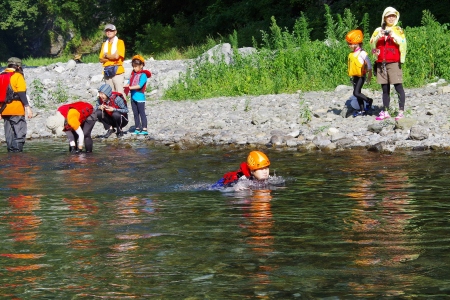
269	120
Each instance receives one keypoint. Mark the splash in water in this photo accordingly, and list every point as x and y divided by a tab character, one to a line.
272	183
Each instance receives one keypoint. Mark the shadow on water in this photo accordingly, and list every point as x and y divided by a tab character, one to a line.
130	221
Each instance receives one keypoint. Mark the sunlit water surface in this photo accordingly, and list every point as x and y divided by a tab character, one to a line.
138	222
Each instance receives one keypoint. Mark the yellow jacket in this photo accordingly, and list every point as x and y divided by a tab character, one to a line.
398	36
119	61
18	84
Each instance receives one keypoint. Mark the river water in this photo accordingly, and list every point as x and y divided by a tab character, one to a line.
138	222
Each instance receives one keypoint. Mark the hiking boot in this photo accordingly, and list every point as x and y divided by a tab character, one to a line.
399	116
108	133
75	150
359	114
383	116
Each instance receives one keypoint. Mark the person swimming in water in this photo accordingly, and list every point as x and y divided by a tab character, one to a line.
252	174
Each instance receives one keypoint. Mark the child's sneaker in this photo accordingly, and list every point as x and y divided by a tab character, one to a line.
143	132
382	116
359	114
399	116
136	132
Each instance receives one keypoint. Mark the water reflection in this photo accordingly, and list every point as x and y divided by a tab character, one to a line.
347	226
81	222
20	256
127	213
379	228
257	227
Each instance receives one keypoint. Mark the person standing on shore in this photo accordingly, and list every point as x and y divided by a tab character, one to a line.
112	54
137	86
15	105
358	65
389	46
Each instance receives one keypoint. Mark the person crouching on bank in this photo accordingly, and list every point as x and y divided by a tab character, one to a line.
111	110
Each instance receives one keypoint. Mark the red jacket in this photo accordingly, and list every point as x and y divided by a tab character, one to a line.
389	51
112	101
85	109
232	177
135	76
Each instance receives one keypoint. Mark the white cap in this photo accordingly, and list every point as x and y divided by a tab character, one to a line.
55	122
110	27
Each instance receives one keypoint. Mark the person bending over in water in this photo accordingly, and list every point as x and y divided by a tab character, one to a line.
76	120
252	174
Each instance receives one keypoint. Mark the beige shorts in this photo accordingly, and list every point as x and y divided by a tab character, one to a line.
392	74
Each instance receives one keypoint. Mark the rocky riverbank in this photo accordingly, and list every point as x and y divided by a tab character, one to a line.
303	121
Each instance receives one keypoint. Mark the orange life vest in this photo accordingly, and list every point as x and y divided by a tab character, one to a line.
7	95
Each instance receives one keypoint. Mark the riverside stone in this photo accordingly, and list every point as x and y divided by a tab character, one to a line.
418	133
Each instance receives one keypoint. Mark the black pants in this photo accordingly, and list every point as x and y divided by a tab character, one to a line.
387	99
116	120
15	132
140	119
87	127
358	83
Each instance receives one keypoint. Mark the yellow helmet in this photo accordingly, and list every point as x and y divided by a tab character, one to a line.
257	160
354	37
138	57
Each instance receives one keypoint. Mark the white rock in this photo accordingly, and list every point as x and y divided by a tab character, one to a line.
59	69
97	78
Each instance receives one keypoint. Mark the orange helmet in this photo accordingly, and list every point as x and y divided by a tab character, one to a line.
257	160
138	57
354	37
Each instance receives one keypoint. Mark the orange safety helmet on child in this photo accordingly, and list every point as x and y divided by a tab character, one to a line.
138	57
257	160
354	37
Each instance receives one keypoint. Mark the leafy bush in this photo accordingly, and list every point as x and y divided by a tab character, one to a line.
289	61
427	56
37	93
59	95
285	62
